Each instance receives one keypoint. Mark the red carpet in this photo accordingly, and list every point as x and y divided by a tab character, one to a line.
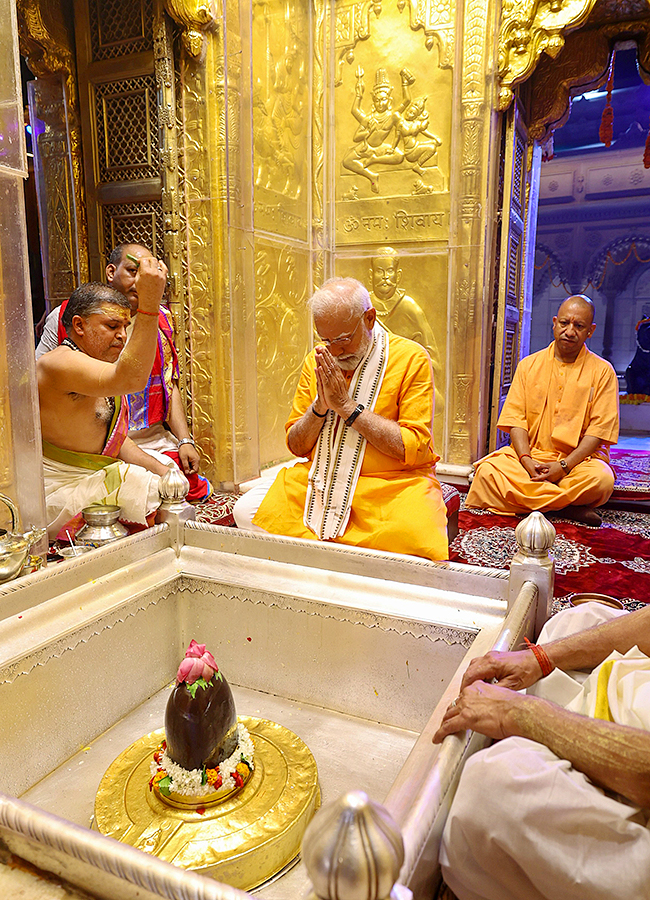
632	469
613	559
217	509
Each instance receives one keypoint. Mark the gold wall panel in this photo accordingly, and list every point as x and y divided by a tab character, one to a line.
283	329
392	130
409	292
281	117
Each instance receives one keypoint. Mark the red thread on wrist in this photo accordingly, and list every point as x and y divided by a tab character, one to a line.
145	312
541	656
524	455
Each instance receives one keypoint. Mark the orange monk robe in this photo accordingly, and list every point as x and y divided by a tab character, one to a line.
557	403
397	506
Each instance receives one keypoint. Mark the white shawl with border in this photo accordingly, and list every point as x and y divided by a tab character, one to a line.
339	452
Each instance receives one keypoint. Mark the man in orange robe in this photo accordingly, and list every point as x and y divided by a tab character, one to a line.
362	415
562	415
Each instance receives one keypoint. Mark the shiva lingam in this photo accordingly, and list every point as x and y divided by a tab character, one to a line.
223	795
15	548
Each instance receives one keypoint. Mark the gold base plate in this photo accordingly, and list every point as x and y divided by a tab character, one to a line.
242	841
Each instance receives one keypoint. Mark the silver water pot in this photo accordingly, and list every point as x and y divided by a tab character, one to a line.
101	526
14	548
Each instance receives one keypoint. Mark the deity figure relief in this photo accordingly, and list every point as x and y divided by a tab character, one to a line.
391	137
400	313
420	145
279	122
376	128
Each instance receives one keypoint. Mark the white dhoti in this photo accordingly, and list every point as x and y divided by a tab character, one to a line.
526	825
69	489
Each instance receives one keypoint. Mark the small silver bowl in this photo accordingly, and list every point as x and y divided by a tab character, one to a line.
587	597
101	526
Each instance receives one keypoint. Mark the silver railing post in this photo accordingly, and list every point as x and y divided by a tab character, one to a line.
353	850
174	509
533	562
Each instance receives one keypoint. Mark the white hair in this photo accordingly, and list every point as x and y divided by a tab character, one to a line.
337	293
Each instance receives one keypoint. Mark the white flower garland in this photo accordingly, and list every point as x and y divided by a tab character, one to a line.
189	782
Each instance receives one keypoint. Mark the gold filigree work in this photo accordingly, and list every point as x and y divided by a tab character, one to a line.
195	18
436	19
352	25
529	29
47	44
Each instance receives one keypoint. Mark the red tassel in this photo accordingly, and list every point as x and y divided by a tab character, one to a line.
646	153
606	130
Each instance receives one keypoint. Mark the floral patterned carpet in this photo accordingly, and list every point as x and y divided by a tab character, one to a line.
217	509
613	559
632	468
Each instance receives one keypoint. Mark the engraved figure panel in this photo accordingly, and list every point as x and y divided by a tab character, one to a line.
410	296
281	110
392	155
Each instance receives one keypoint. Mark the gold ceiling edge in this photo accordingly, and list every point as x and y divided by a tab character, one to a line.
528	30
584	66
195	18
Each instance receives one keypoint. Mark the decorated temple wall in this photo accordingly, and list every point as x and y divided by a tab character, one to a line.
341	150
20	433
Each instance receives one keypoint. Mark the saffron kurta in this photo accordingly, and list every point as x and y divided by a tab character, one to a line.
397	506
557	403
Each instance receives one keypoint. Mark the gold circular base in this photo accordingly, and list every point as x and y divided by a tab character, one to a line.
242	841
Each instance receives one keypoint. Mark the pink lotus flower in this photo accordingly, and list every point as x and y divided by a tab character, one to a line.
198	663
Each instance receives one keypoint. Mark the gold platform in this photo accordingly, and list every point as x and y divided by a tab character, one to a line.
242	841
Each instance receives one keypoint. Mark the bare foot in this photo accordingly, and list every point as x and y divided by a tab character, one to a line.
586	515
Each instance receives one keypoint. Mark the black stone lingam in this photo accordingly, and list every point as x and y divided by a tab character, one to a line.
200	718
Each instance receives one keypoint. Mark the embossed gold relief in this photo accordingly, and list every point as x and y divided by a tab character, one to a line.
392	155
436	19
468	256
54	186
195	18
529	29
352	24
169	158
280	37
207	278
317	126
283	327
409	293
48	46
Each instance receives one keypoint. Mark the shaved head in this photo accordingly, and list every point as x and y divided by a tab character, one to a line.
581	302
573	325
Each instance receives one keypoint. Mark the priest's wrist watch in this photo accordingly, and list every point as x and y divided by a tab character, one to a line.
565	466
187	440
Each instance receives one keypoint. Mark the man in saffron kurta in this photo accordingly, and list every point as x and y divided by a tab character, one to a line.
396	503
562	415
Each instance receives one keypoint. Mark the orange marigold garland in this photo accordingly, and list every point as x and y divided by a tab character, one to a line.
606	130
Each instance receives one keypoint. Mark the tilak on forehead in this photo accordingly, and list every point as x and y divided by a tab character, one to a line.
113	311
